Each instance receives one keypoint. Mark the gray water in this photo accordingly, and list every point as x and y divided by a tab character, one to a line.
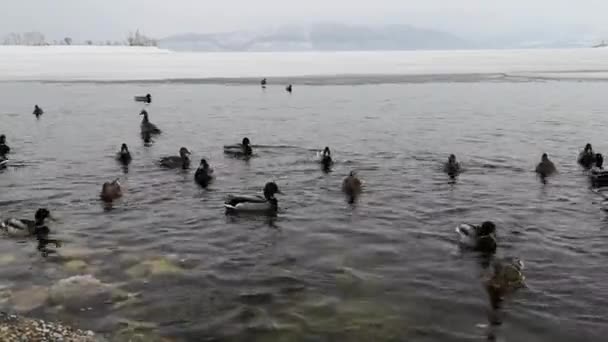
386	269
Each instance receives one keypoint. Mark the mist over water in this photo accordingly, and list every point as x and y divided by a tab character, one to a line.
386	269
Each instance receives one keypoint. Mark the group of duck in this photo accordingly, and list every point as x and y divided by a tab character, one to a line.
481	238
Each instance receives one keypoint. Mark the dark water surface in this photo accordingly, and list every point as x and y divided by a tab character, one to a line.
387	269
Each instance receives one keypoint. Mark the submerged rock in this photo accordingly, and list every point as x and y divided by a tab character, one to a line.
29	299
76	266
17	329
154	267
83	291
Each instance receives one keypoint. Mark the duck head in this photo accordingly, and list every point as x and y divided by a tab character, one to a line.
184	153
41	215
246	142
588	148
545	157
452	159
149	97
246	146
204	165
124	148
599	160
145	114
487	228
2	139
326	151
271	189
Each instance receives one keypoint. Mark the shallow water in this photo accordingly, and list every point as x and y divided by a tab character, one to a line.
386	269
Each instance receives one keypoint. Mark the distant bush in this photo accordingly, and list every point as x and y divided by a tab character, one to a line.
138	39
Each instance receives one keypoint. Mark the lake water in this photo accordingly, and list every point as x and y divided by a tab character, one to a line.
386	269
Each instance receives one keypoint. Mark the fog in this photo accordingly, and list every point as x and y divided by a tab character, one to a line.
470	19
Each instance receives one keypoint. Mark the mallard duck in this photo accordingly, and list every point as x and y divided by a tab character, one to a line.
148	128
586	158
204	174
506	278
257	204
240	150
124	156
175	162
25	227
480	238
146	99
37	111
351	186
325	159
452	167
111	191
4	149
598	176
546	167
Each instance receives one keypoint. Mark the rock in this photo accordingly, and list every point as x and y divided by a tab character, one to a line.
81	291
29	299
17	328
7	259
76	266
154	267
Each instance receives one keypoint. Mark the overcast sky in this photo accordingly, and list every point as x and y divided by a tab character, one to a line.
113	19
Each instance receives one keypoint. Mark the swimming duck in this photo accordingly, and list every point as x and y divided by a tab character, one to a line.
124	156
174	162
25	227
325	159
289	88
111	191
599	176
37	111
146	126
351	186
586	158
240	150
146	99
4	149
546	167
506	278
255	204
452	167
204	174
480	238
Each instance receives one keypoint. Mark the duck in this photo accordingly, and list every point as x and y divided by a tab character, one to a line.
111	191
124	156
4	149
148	128
146	99
506	278
255	204
204	174
325	159
452	167
479	238
586	158
37	111
263	83
174	162
26	227
598	175
289	88
240	150
546	167
351	186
